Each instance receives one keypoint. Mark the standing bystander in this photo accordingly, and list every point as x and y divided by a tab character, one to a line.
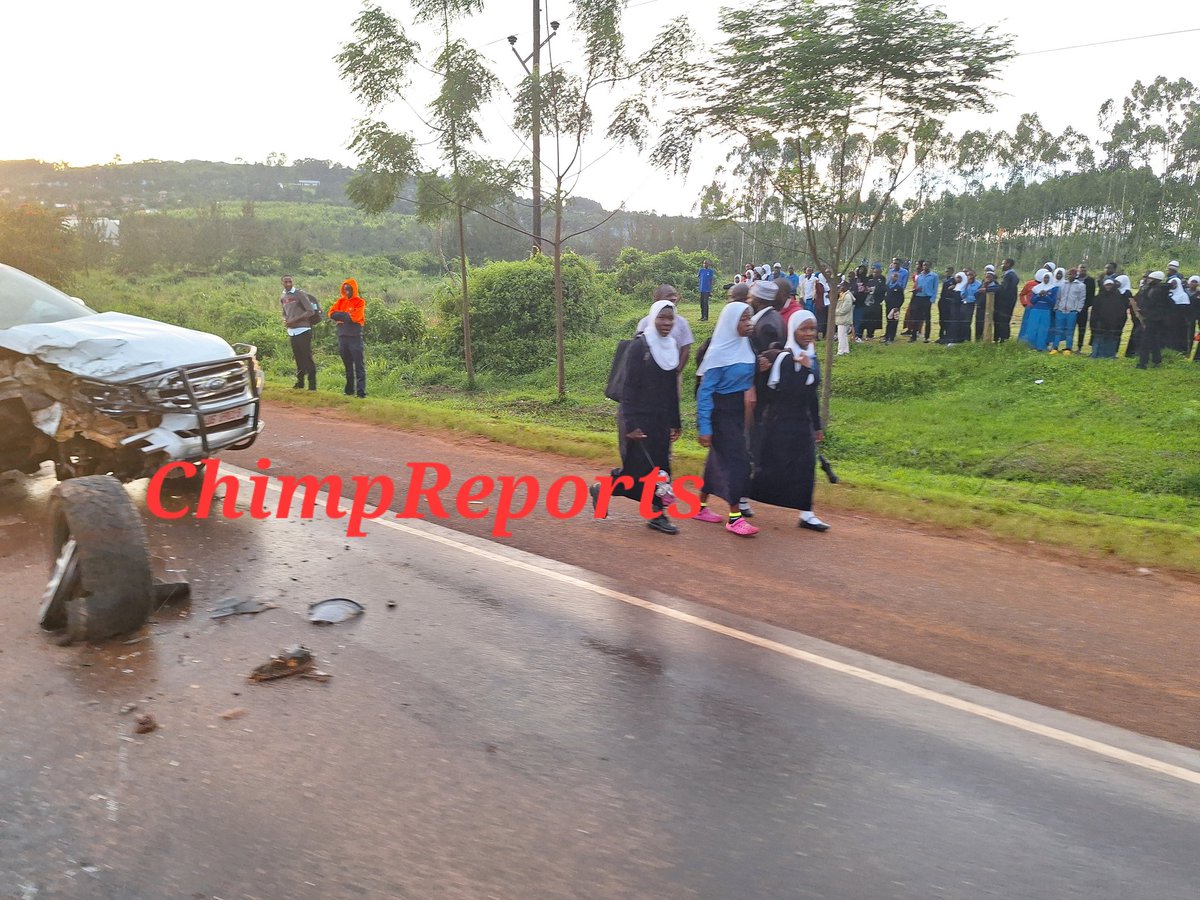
299	310
350	314
706	276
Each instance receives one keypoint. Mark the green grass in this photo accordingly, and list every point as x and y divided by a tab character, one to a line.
1099	456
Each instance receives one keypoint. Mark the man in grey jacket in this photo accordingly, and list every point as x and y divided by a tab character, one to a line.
298	310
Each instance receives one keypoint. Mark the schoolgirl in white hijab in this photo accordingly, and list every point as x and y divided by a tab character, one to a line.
785	476
1036	321
724	434
727	346
792	350
1178	295
664	349
1045	282
649	421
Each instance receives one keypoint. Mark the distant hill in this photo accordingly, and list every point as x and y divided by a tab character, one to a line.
159	184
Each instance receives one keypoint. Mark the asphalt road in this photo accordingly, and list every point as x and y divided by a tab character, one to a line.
516	727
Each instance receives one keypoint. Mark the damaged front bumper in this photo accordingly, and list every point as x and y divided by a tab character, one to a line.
131	427
204	407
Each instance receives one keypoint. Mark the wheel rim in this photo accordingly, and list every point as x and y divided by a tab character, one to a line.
63	586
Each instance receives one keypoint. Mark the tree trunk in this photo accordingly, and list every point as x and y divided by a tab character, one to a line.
559	344
468	359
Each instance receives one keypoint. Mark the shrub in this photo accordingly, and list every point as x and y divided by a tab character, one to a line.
421	261
401	323
512	311
638	273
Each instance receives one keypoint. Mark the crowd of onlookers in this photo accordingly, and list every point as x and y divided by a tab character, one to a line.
1056	305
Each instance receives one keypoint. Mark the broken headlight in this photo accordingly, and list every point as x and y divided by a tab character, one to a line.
112	399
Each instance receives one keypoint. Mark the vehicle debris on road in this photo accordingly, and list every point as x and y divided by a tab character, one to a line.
236	607
334	610
298	660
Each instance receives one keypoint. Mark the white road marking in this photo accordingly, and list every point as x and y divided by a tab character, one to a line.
975	709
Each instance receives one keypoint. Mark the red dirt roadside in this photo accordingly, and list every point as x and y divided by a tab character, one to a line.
1088	637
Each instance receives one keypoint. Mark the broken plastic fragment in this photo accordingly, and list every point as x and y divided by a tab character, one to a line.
167	591
334	610
235	607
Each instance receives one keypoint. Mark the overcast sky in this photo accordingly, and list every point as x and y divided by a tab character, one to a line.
239	79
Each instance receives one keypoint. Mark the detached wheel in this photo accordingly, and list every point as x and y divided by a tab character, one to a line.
100	584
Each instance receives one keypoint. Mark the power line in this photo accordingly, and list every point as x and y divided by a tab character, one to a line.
1140	37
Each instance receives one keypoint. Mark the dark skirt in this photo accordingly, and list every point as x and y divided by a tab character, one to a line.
785	473
638	458
727	469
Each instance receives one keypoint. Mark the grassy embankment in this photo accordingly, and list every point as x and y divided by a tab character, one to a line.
1098	457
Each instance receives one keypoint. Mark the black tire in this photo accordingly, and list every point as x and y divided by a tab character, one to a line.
108	588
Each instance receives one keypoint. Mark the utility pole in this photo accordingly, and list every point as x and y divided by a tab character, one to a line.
535	109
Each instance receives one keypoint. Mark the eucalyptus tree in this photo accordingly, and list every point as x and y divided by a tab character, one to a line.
567	96
848	99
377	65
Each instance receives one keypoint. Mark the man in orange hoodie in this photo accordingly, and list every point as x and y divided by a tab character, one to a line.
348	313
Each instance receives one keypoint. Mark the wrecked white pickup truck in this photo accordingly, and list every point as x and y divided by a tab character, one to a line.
108	393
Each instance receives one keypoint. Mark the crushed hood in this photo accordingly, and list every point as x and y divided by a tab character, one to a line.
114	346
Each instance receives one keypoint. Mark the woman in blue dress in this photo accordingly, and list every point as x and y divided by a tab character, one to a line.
1041	308
726	395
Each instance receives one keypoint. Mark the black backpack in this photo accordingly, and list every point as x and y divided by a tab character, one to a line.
617	371
317	316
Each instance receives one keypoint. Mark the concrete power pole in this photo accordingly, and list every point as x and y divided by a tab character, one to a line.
536	117
535	109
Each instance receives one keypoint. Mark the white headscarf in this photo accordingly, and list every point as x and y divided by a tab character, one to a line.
792	349
664	349
1060	277
1045	282
727	347
1178	294
1123	284
960	282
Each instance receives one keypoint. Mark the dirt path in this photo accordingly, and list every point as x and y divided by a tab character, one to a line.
1083	636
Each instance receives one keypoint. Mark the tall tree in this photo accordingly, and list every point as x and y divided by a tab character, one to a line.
562	100
377	66
850	96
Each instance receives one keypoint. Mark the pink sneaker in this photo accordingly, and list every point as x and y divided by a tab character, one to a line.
707	515
741	527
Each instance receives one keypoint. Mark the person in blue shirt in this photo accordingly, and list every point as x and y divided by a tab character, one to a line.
706	276
794	279
920	308
726	392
